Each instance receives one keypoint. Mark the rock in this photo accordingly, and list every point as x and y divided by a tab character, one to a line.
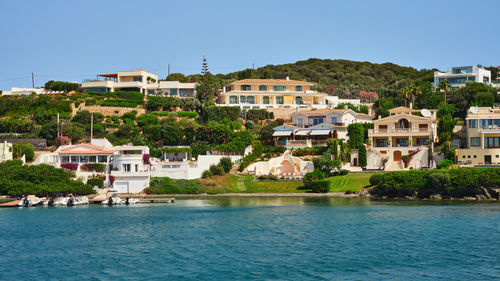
486	194
470	198
481	197
435	197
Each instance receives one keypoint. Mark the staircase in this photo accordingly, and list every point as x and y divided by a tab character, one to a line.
394	165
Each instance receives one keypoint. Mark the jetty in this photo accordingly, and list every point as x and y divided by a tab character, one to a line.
10	204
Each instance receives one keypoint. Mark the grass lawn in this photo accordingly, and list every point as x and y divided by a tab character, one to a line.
245	184
352	182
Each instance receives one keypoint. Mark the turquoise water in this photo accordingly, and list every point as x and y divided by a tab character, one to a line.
253	239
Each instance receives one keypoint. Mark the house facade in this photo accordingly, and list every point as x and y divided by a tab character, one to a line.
482	142
314	127
177	89
131	169
271	93
406	133
138	80
6	152
458	76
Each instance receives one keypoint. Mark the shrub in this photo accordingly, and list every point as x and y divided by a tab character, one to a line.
207	174
147	119
320	186
91	167
312	176
216	170
218	113
188	114
444	164
317	150
99	182
226	164
62	140
130	115
343	172
24	148
70	166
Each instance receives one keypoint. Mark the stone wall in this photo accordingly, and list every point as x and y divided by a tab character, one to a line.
108	110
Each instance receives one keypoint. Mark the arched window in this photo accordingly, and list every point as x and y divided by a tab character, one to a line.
404	124
263	88
298	88
265	100
246	88
298	100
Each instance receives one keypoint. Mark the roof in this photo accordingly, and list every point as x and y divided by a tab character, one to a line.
402	109
272	81
85	148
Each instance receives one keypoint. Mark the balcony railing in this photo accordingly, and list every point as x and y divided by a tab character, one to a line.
399	131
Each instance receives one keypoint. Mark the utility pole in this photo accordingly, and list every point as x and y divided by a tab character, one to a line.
168	73
350	92
33	79
58	130
253	66
91	126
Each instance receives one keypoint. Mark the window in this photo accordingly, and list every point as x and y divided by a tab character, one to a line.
243	99
300	122
333	120
102	158
75	159
475	156
65	159
484	123
492	142
138	79
251	99
279	100
279	88
126	167
92	159
423	141
84	159
298	89
475	142
298	100
246	87
183	92
316	121
173	92
473	123
468	156
263	88
137	167
265	100
233	99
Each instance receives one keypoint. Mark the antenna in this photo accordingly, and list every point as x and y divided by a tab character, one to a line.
33	79
58	130
168	73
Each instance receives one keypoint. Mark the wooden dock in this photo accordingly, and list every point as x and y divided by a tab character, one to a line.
10	204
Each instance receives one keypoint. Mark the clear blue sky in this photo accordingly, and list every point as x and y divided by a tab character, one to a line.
73	40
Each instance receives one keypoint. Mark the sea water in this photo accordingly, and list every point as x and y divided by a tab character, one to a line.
253	239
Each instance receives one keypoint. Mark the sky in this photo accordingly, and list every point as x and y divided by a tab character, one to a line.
74	40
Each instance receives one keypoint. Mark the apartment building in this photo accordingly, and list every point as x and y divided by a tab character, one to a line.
271	93
458	76
133	80
482	142
405	132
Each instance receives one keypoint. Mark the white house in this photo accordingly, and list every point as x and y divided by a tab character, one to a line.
5	151
133	80
458	76
177	89
24	91
131	170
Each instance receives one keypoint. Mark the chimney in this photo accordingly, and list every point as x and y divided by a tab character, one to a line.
287	78
380	117
411	105
369	111
224	89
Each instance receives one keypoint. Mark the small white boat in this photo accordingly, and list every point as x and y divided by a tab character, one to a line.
113	200
69	200
30	201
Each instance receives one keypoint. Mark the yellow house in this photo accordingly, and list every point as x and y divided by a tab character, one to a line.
482	144
271	93
405	132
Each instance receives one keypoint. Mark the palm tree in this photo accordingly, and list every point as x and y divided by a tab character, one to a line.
445	86
414	91
406	93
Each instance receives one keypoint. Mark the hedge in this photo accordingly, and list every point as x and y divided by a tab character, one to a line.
99	182
91	167
320	186
317	150
188	114
459	182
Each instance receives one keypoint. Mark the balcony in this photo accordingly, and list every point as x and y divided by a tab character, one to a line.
399	132
130	174
300	143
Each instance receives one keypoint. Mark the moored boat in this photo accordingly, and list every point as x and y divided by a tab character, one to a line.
30	201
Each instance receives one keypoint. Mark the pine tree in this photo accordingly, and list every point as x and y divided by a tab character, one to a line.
207	86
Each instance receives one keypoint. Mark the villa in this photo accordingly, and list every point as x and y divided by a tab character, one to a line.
6	151
270	93
482	141
133	80
314	127
406	132
458	76
177	89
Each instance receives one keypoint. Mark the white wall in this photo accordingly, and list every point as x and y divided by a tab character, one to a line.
187	170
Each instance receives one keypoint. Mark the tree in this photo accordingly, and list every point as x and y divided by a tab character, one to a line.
177	77
207	86
24	148
446	88
356	134
147	119
362	156
445	127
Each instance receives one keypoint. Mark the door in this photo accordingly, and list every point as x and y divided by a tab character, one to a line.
397	155
487	159
121	187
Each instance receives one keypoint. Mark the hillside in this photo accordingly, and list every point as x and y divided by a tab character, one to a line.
341	75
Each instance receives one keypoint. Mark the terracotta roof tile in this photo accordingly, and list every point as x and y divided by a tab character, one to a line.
272	81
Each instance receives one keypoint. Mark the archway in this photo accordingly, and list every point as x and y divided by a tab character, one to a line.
397	155
404	124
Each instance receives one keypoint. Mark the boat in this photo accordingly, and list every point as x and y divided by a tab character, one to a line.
30	201
69	200
113	200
